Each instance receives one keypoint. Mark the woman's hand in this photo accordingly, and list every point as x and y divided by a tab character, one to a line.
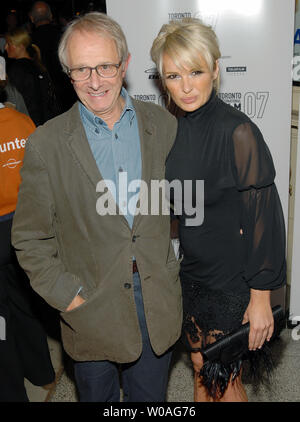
259	314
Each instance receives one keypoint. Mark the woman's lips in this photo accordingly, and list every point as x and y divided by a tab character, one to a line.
188	100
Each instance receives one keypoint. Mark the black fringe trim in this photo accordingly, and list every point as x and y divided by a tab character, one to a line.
215	376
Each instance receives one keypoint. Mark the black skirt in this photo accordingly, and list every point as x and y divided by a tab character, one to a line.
207	316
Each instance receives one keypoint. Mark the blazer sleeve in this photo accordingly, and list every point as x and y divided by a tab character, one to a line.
171	124
262	218
34	238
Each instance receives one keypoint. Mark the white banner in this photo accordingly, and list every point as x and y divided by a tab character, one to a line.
296	70
295	284
256	40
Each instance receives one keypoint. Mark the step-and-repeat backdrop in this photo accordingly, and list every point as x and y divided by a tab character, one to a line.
256	39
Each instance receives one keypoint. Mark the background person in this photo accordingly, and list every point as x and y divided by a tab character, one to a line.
14	98
46	36
27	73
235	258
24	349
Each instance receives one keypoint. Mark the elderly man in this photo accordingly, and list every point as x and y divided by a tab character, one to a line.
113	275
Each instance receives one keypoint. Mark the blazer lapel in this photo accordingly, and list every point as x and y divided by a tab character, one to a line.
146	132
80	148
81	151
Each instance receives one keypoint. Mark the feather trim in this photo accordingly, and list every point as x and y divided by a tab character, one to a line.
215	376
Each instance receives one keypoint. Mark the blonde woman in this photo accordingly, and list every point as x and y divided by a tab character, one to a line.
27	73
233	260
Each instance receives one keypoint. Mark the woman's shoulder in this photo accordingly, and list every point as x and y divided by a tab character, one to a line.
22	66
17	63
230	115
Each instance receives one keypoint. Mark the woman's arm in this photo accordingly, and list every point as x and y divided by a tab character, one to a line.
263	229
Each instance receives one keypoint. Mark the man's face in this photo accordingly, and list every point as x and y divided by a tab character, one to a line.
100	95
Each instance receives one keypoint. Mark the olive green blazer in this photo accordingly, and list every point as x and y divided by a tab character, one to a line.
63	243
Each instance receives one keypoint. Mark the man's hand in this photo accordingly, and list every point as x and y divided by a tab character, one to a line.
77	301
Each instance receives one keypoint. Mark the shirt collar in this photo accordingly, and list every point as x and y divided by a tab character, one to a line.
92	120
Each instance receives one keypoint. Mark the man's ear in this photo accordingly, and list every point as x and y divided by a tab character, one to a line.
125	65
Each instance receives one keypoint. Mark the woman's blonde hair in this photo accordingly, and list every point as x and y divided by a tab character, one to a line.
21	36
183	41
98	23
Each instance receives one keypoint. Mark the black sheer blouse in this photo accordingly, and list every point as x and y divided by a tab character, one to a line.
241	242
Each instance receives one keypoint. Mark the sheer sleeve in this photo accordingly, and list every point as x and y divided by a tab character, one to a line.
262	219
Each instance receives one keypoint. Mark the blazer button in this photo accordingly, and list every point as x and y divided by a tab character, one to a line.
127	285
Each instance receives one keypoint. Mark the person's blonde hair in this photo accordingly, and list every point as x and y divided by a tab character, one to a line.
98	23
183	41
21	36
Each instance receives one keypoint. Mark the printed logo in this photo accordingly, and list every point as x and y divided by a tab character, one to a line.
209	18
296	68
12	145
296	330
232	98
236	70
152	73
145	97
251	103
176	16
153	198
12	163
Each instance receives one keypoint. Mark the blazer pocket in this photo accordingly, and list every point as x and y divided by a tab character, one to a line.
172	268
87	299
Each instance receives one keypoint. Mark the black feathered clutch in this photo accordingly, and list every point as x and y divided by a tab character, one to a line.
224	357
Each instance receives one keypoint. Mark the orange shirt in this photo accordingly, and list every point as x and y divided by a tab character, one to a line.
15	128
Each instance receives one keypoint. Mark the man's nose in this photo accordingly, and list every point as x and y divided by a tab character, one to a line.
95	80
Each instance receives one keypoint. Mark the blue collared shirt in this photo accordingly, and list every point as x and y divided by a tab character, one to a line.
117	153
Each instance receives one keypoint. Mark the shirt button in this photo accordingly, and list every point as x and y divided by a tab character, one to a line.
116	136
97	130
134	238
127	285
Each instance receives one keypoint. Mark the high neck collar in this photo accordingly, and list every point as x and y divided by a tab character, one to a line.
208	106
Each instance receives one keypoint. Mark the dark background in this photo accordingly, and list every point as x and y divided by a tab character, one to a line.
67	8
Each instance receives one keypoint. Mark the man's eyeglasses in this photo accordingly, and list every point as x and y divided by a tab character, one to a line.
107	70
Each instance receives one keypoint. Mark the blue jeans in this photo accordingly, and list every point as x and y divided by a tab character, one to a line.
144	380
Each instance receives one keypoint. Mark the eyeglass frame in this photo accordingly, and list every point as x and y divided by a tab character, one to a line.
116	65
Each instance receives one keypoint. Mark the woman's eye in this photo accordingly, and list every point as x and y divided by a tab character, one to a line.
196	73
173	76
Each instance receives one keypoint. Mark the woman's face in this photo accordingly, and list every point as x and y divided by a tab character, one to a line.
189	88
